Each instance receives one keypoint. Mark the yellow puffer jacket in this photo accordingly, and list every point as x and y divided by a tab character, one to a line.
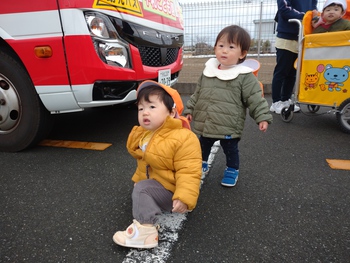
172	157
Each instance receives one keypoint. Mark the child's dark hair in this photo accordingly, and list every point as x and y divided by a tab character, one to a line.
238	35
164	96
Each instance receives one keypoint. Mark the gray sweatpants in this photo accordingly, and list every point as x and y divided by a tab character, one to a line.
150	198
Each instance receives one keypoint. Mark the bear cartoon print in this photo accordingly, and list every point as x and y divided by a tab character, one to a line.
335	78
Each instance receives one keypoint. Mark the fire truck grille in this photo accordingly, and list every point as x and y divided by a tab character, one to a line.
156	57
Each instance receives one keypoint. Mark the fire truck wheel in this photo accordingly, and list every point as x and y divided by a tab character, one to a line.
343	116
24	121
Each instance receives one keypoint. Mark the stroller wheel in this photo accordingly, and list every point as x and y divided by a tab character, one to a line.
343	116
287	114
313	108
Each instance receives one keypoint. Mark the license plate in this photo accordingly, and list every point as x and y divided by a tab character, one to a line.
164	76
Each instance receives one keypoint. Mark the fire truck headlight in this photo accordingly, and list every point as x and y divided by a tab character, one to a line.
100	25
111	49
113	54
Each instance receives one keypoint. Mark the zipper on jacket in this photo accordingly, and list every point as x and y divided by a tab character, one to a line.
147	173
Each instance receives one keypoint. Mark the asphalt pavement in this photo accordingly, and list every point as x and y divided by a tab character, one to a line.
64	205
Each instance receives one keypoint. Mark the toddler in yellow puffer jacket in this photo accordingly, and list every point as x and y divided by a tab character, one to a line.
169	164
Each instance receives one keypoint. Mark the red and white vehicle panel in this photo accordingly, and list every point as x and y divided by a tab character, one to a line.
82	53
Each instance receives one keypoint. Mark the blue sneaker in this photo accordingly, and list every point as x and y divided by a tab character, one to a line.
205	169
230	177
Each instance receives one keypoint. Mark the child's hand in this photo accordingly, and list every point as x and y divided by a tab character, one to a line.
263	126
179	207
189	117
316	19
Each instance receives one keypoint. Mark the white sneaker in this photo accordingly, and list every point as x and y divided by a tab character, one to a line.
278	106
137	236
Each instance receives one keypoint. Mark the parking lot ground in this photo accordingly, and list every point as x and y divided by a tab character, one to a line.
289	205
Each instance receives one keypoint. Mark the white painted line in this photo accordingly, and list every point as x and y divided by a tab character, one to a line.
170	225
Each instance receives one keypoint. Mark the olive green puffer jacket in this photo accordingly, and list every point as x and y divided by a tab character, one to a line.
219	106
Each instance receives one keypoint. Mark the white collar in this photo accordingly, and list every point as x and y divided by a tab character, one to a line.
211	70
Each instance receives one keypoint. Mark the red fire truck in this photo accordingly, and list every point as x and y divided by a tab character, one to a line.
61	56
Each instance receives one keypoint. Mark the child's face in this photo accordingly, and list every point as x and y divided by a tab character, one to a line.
332	13
153	114
228	54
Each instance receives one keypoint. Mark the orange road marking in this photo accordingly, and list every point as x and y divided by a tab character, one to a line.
75	144
339	164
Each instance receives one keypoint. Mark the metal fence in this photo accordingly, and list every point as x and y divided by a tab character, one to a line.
203	21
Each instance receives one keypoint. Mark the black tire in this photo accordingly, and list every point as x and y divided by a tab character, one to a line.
24	121
287	114
313	108
343	116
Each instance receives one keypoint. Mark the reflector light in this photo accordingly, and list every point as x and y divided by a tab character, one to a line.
43	51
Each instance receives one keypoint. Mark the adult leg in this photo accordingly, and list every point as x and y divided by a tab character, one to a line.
289	83
277	79
283	75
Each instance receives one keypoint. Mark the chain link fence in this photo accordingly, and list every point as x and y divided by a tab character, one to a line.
204	20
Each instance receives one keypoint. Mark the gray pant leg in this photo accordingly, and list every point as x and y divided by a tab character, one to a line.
149	198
